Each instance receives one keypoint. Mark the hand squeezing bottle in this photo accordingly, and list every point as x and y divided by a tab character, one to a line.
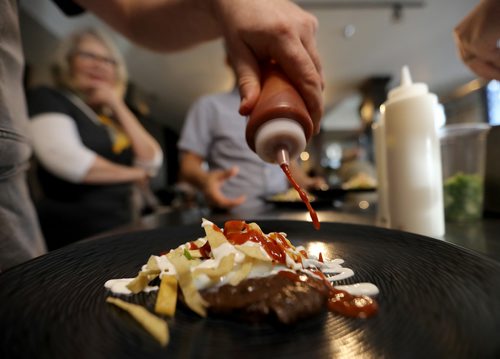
280	126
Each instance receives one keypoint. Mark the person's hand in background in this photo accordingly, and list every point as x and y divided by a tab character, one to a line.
315	183
212	189
305	181
104	96
478	39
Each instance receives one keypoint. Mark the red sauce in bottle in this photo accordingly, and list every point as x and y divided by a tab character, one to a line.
302	194
278	99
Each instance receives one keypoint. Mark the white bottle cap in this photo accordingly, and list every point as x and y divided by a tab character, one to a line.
279	134
406	88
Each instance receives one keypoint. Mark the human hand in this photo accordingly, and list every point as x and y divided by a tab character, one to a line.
260	30
103	96
212	189
316	183
478	39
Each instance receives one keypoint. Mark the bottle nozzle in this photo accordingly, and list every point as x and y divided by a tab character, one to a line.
283	156
405	76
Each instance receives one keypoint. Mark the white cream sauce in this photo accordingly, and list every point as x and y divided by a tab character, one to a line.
119	286
368	289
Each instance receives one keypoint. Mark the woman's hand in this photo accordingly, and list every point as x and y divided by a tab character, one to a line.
104	97
212	189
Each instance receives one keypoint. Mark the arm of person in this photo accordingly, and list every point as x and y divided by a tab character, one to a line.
59	148
147	152
209	182
104	171
477	38
303	180
254	31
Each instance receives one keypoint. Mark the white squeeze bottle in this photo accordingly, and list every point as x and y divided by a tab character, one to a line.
413	160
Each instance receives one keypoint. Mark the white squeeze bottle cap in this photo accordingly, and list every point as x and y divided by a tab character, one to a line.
280	125
407	88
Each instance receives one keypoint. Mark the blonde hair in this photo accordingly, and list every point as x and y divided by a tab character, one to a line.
61	64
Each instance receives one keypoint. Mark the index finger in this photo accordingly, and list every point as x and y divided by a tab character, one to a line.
299	66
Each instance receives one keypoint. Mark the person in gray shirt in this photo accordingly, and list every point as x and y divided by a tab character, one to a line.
236	179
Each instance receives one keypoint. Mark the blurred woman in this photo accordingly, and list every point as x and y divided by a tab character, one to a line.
91	149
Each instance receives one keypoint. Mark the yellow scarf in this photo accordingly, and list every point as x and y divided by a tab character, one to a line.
119	138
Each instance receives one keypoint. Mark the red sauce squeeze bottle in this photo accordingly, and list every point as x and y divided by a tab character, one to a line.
280	126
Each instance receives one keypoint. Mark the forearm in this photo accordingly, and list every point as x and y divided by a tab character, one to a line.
191	170
160	25
103	171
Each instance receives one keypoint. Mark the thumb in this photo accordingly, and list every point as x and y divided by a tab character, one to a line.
223	175
231	172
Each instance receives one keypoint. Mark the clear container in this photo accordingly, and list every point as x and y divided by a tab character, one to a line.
463	155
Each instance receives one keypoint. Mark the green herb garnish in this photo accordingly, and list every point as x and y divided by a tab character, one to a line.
463	197
187	254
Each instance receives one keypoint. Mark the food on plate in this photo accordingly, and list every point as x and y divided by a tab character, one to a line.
241	272
362	180
157	327
291	196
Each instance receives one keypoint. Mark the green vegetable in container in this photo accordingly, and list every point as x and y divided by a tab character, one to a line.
463	197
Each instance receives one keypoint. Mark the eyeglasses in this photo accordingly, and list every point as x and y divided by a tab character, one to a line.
95	57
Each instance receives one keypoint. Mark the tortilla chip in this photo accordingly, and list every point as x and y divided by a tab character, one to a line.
241	273
254	252
142	280
157	327
191	295
225	266
215	238
167	296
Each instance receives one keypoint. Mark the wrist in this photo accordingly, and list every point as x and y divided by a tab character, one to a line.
139	174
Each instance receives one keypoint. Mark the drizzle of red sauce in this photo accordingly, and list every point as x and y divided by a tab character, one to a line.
205	249
216	228
351	305
302	194
234	226
239	232
339	301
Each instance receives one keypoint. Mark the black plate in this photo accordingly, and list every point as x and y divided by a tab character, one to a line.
436	300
